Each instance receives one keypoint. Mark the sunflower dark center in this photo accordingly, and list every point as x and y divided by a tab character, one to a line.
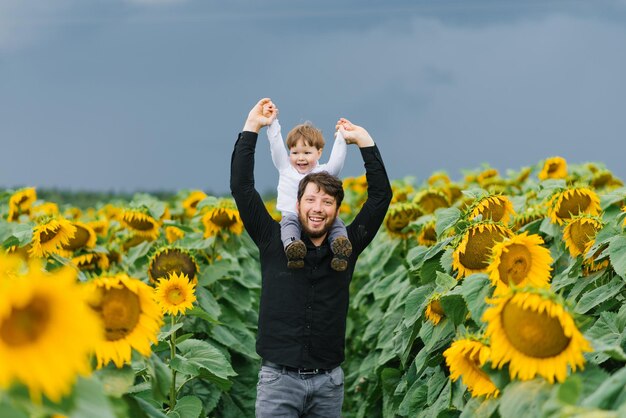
429	234
222	219
573	205
435	306
431	202
581	234
553	167
174	261
493	211
175	295
49	234
533	333
141	224
81	236
476	255
120	311
515	264
25	325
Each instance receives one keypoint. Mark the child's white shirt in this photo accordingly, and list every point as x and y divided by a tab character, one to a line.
289	177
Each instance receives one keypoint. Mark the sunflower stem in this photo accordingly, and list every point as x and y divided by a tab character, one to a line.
172	355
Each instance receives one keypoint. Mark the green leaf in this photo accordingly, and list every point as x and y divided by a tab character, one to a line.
240	340
524	399
617	254
446	218
595	297
207	302
168	330
199	356
444	282
480	407
187	407
570	390
161	378
475	288
430	269
90	400
455	308
603	396
201	313
116	381
146	407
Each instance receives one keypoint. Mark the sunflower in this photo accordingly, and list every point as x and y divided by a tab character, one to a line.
427	235
357	185
175	294
84	237
224	216
553	168
488	177
399	215
580	232
401	192
20	202
44	209
430	200
472	252
568	203
530	214
519	260
439	179
47	332
11	265
91	261
270	205
172	260
464	358
454	192
99	226
605	179
73	213
112	213
434	311
535	334
497	208
191	201
130	315
50	235
173	234
522	176
141	224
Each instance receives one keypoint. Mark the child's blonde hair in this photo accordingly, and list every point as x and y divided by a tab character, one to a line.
306	132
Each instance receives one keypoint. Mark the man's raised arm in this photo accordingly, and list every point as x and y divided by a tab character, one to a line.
365	225
254	215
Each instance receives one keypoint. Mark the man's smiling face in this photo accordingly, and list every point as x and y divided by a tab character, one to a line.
317	211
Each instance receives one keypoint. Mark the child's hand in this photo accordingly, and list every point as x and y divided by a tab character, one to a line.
270	111
354	134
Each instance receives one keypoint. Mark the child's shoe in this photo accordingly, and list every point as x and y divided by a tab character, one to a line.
295	254
342	250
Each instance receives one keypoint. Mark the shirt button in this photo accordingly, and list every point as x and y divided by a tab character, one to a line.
308	326
308	307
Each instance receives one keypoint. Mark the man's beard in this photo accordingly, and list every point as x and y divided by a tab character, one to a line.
314	234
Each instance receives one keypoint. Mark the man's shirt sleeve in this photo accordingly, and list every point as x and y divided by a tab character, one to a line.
365	225
254	215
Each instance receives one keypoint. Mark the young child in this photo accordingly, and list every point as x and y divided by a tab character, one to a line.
305	143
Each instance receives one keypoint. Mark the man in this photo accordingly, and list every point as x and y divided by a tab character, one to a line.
302	313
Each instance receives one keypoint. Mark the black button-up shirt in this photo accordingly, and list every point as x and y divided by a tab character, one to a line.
302	313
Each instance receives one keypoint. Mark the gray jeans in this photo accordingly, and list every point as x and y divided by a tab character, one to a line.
283	393
291	230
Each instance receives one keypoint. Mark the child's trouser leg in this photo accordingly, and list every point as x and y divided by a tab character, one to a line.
290	232
340	245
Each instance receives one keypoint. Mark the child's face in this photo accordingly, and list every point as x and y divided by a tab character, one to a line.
304	157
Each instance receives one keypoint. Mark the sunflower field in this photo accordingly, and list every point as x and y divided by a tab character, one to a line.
493	296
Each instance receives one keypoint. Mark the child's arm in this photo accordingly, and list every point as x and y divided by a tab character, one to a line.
277	147
337	155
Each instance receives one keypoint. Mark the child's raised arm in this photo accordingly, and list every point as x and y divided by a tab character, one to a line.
280	157
337	155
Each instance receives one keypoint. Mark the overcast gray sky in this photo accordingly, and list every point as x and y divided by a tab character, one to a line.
150	94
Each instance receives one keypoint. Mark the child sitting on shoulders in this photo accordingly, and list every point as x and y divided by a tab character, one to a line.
305	143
